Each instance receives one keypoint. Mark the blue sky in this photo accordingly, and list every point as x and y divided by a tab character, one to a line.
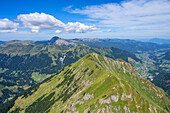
42	19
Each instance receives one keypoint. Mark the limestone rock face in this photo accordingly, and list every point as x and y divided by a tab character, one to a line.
61	42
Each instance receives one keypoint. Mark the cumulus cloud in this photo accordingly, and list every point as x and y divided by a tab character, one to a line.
58	31
7	26
37	21
134	14
78	27
108	30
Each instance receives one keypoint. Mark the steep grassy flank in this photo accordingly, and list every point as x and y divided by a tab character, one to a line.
24	66
94	84
163	81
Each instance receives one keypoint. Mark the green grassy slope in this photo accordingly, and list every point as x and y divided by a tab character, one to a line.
163	81
24	66
94	84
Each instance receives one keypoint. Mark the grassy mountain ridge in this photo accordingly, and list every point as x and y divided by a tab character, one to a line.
94	84
24	66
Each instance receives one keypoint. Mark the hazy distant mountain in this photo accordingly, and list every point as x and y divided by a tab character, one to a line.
94	84
53	41
125	44
155	40
18	43
1	42
160	41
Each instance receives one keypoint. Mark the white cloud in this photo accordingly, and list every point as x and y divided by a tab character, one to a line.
7	26
134	14
78	27
108	30
37	21
58	31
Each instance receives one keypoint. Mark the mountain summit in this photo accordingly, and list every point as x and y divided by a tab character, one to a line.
61	42
54	39
94	84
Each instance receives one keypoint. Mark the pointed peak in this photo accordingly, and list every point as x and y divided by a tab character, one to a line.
82	45
92	54
54	38
121	60
94	57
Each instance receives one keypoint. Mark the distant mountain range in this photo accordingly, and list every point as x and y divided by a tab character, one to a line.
156	40
1	42
54	41
17	43
125	44
160	41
